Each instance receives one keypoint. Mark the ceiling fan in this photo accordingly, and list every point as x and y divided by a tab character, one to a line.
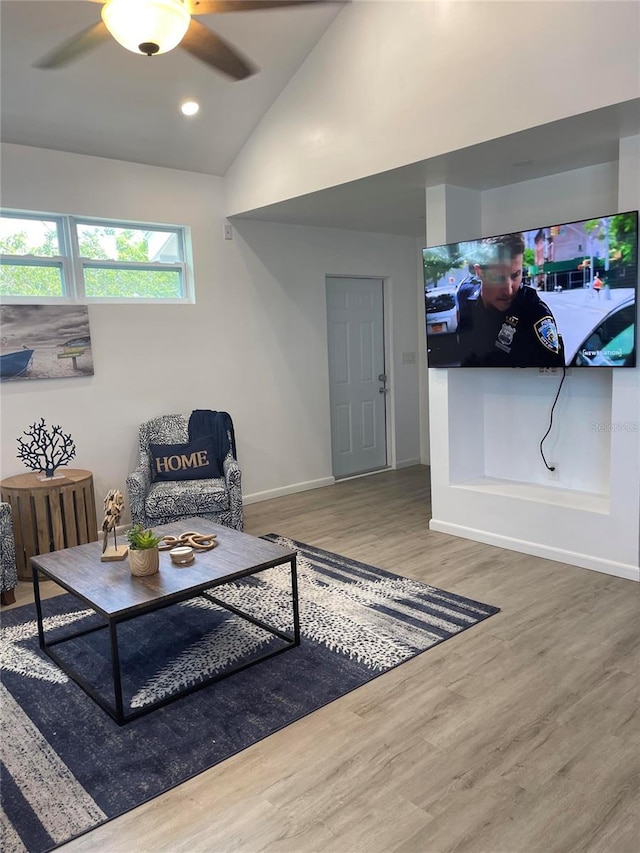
157	26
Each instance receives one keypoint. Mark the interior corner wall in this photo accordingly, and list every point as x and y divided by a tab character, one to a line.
423	376
254	344
448	209
488	480
394	82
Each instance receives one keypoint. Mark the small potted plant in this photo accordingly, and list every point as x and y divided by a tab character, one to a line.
144	557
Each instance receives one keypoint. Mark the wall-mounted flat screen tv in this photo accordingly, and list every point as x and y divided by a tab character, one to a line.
559	295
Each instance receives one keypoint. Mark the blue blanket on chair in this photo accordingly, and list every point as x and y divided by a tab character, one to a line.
204	422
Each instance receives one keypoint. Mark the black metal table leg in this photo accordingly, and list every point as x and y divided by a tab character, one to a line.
38	602
295	603
115	669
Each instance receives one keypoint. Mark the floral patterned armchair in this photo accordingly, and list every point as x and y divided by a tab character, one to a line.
154	503
8	573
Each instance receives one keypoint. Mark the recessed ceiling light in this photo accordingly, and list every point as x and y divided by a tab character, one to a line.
189	108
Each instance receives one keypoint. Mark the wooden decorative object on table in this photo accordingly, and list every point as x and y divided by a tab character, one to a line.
182	555
145	562
144	558
191	539
113	508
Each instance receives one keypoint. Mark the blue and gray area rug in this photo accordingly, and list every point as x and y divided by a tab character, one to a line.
67	766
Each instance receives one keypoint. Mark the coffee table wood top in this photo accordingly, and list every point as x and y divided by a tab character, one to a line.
112	590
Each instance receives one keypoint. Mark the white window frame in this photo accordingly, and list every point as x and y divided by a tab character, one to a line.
72	265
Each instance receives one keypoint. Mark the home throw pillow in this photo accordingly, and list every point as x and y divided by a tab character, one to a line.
193	461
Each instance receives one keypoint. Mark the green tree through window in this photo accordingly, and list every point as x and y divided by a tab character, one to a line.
117	261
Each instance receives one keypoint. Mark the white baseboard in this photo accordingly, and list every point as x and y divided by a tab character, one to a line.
583	561
407	463
256	497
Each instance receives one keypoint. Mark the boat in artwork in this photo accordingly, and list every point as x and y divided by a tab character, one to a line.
14	364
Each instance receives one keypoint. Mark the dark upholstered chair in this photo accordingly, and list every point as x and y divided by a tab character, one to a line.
155	503
8	573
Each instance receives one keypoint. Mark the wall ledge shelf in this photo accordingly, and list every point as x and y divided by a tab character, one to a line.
538	493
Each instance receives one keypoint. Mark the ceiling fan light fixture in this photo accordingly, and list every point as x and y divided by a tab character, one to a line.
146	26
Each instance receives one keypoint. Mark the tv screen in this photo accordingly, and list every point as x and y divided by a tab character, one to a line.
560	295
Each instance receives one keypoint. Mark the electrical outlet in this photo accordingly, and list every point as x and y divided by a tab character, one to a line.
548	371
555	474
227	231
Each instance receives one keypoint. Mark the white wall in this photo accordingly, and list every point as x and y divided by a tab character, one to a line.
566	197
392	83
254	344
488	480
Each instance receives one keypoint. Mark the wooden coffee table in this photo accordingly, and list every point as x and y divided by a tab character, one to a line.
117	596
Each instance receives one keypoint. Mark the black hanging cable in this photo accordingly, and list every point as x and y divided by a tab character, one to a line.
552	467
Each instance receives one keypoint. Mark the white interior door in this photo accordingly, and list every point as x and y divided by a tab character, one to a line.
357	378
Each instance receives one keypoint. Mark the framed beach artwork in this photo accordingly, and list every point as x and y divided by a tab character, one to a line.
44	342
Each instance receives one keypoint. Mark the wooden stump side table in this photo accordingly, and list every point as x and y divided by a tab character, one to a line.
49	515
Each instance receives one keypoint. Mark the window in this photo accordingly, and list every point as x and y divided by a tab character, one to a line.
46	257
440	302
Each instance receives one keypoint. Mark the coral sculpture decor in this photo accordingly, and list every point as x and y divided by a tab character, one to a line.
45	449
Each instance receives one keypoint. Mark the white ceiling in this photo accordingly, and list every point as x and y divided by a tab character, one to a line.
393	202
111	103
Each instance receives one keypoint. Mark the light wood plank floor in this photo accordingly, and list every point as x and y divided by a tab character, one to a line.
521	735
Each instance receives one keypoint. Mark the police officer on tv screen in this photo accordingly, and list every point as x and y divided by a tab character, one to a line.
503	323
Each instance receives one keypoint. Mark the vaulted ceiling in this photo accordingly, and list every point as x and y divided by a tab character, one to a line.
112	103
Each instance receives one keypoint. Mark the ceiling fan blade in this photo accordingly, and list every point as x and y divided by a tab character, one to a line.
208	47
210	7
73	48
